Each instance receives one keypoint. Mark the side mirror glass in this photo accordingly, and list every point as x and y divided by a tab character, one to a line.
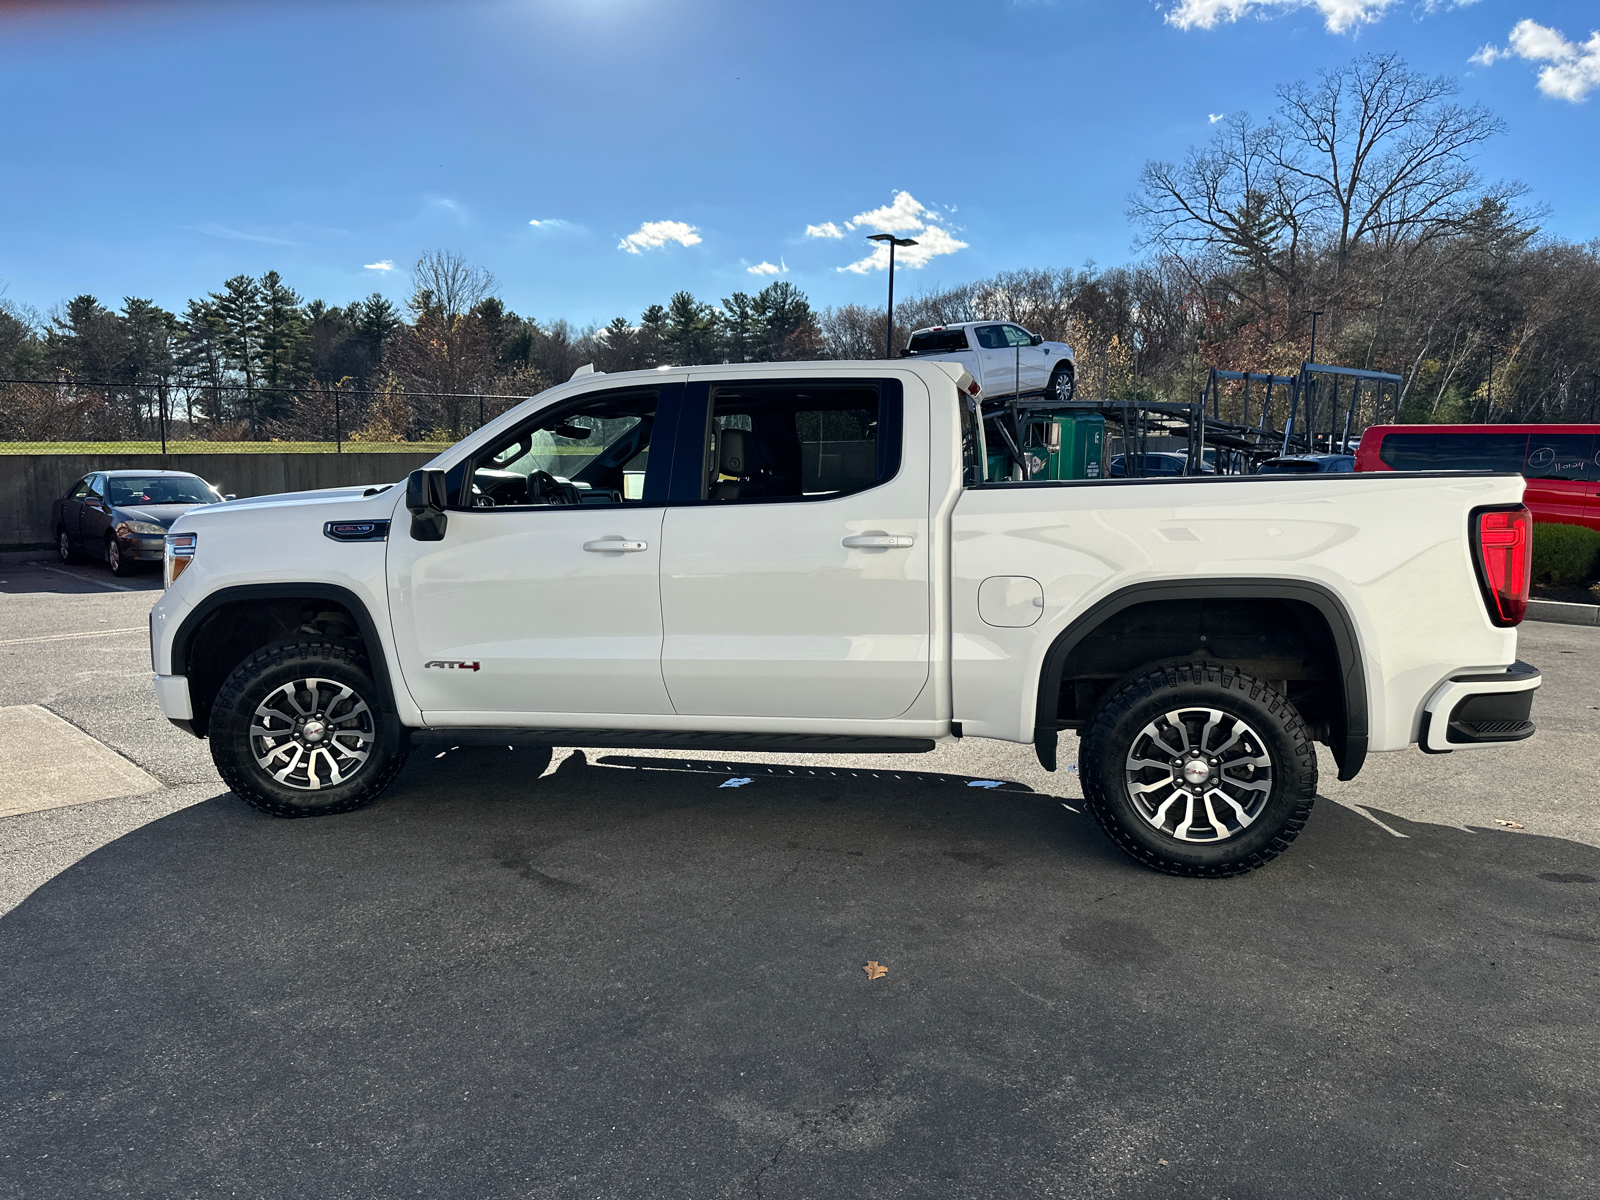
229	496
425	498
1035	340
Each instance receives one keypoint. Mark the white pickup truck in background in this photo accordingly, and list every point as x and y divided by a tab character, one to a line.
1003	357
807	557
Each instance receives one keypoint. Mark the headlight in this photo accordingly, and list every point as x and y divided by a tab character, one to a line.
179	554
142	528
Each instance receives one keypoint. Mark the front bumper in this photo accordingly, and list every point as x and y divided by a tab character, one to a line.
172	694
139	548
1467	712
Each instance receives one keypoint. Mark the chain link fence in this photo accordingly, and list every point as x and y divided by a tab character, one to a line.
41	416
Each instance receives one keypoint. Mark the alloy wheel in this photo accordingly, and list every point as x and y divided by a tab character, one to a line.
312	734
1198	774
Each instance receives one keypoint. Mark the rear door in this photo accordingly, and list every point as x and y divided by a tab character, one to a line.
795	561
1561	475
71	510
94	515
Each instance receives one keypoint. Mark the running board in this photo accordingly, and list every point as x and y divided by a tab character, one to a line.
647	739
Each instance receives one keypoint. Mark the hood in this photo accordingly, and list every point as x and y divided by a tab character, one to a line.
158	514
322	495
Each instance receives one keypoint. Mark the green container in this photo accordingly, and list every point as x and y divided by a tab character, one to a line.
1074	448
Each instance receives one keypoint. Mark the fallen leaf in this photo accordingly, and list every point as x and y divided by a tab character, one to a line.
876	970
1508	824
1163	1162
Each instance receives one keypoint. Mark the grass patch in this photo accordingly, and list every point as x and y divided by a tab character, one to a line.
223	447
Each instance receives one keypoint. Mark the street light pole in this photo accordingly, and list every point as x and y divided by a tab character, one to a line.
888	335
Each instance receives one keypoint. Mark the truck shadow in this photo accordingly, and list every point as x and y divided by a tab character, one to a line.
493	984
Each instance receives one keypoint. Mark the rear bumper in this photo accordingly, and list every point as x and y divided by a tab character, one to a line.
1482	709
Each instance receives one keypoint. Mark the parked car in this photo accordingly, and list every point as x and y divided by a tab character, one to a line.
1003	357
1156	464
1309	464
815	563
123	516
1560	462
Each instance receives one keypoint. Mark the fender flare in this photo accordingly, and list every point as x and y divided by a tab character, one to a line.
1349	735
343	596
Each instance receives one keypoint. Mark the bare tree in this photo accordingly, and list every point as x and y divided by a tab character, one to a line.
446	349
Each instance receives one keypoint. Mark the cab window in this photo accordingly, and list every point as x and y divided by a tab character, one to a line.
991	337
592	451
1564	456
814	441
1017	336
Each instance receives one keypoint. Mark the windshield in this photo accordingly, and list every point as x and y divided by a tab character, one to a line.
160	489
1290	466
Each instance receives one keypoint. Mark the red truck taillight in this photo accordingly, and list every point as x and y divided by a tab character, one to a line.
1501	543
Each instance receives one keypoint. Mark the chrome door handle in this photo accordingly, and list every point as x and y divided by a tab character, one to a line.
615	546
879	541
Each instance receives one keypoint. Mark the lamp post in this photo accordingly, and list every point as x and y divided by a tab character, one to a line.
888	336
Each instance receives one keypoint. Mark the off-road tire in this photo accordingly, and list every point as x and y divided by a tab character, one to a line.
1129	710
256	679
64	550
121	565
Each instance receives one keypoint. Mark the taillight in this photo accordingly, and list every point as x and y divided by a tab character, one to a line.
1500	550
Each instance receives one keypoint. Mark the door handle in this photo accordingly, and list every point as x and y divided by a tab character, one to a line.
615	546
879	541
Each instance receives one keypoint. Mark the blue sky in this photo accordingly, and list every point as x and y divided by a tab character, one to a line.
154	149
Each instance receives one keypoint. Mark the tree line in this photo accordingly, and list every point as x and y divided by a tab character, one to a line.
1356	200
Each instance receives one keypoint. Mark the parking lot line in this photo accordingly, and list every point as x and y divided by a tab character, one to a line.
66	637
116	587
1356	808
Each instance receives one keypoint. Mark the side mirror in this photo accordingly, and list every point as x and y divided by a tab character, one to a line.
1035	340
425	497
229	496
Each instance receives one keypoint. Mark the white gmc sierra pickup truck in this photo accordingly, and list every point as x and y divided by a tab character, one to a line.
805	557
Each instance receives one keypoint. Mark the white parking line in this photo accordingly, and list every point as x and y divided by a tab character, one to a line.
64	637
116	587
1356	808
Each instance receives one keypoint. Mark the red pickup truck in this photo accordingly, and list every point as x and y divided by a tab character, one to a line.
1560	462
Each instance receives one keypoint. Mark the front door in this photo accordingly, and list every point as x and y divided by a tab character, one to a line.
543	596
795	576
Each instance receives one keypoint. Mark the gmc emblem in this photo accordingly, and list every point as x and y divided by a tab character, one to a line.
453	666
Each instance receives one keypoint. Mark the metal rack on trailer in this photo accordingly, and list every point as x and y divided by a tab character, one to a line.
1035	436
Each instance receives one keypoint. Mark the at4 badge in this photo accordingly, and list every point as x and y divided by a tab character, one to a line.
452	666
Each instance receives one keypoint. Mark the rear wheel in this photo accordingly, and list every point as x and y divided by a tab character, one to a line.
117	558
64	550
1198	769
297	731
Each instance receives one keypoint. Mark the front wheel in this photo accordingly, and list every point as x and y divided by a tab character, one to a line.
116	558
1063	384
1198	769
298	731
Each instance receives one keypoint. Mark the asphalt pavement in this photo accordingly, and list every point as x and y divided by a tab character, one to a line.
631	974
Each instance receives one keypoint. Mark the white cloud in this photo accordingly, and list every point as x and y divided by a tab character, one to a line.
901	215
653	235
212	229
826	230
932	242
550	223
1574	67
1215	117
386	264
1337	15
765	268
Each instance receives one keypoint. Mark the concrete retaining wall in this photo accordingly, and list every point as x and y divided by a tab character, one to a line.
30	482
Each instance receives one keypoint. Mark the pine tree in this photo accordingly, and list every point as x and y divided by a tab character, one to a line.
282	345
741	327
237	312
691	331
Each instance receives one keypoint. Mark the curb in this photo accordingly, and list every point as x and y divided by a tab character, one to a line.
1562	612
40	555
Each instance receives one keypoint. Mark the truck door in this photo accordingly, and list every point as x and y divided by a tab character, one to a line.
1027	360
795	568
1560	476
543	596
996	363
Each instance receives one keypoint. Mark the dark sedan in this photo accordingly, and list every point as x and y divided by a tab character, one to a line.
123	516
1309	464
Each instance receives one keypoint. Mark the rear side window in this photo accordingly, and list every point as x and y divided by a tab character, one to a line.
805	442
992	337
938	341
79	490
1454	451
1569	456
